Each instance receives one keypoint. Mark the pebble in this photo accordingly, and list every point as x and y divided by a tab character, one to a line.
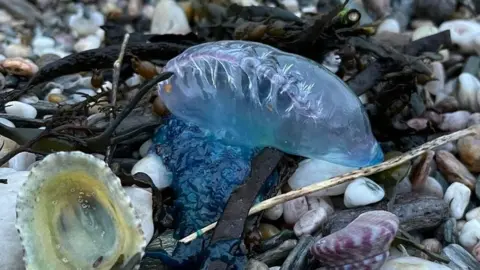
457	196
460	225
311	171
463	33
332	61
298	259
81	25
431	187
276	240
469	152
474	119
469	236
275	212
370	192
152	165
453	170
17	50
20	109
310	222
274	256
143	150
436	87
421	170
432	245
425	30
169	18
460	258
42	45
21	161
256	265
19	66
294	209
315	202
87	43
410	262
6	122
473	214
389	25
450	231
365	242
267	230
29	99
468	92
454	121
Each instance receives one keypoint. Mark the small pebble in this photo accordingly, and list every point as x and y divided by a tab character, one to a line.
315	202
470	234
17	50
405	263
453	169
457	196
435	87
431	187
87	43
473	214
29	99
460	258
370	192
421	170
20	66
21	161
20	109
169	18
294	209
432	244
267	231
454	121
143	151
469	152
256	265
468	92
463	33
275	212
389	25
56	98
152	165
310	222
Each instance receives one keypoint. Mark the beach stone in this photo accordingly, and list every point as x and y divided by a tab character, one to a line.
267	230
310	222
294	209
297	259
469	152
410	262
469	236
473	214
415	211
431	187
274	256
460	258
276	240
421	170
453	170
457	197
371	193
256	265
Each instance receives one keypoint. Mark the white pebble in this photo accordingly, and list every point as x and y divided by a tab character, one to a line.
312	171
404	263
362	191
21	161
87	43
310	222
468	93
457	196
470	234
169	18
424	31
315	202
81	25
29	99
275	212
152	165
20	109
473	214
17	50
431	187
294	209
389	25
463	34
7	122
143	151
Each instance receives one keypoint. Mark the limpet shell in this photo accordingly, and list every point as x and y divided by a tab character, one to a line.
72	213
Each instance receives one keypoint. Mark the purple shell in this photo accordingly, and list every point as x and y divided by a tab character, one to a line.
363	244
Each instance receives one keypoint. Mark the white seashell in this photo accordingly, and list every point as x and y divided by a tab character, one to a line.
311	171
389	25
17	50
143	151
310	222
457	197
468	93
87	43
152	165
21	161
404	263
437	86
20	109
469	236
12	253
473	214
29	99
77	191
370	192
463	33
6	122
143	204
294	209
169	18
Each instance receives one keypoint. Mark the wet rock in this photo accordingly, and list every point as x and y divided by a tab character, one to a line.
256	265
469	236
457	196
310	222
453	169
294	209
366	241
371	193
276	240
297	259
460	258
421	170
469	152
415	211
412	263
267	230
274	256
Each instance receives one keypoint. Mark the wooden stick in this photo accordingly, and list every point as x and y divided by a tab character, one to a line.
337	180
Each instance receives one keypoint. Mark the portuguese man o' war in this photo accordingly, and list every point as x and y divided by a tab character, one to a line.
254	95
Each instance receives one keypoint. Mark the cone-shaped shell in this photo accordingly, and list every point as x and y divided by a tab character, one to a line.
72	213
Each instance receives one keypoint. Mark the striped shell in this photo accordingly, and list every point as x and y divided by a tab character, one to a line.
72	213
363	244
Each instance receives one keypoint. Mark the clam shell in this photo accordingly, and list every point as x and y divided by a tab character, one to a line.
72	213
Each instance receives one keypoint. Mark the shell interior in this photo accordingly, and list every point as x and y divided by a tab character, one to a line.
72	213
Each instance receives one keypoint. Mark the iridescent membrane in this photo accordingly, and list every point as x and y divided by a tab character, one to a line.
253	95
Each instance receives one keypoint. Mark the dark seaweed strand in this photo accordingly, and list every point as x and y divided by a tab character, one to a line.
104	58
